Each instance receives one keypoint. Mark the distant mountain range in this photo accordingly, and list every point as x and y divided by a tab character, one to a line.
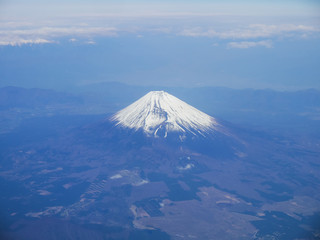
257	108
11	97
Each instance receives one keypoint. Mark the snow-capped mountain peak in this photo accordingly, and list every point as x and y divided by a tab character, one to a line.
159	111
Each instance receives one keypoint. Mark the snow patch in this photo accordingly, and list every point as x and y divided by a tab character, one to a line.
187	167
117	176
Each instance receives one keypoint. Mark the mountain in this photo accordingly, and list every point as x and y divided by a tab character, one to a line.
161	121
159	113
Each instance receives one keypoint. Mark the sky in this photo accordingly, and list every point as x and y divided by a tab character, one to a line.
237	44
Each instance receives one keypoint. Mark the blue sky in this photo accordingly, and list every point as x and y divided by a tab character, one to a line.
246	39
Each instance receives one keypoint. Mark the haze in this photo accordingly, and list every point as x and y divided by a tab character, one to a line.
66	44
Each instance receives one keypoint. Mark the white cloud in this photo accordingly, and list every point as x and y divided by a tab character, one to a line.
252	31
61	31
247	44
41	35
19	42
91	42
14	33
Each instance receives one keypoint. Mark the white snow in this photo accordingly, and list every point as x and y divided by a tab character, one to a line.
117	176
187	167
158	111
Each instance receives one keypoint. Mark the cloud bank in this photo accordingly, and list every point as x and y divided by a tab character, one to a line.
21	41
41	35
110	19
252	31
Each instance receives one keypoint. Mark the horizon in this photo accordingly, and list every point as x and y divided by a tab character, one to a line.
242	45
82	88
